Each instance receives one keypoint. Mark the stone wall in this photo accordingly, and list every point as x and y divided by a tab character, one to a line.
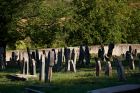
118	50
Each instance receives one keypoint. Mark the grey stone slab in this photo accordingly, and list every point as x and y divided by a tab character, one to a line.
114	89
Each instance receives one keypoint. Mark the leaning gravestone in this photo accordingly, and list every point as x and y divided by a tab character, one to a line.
98	66
120	69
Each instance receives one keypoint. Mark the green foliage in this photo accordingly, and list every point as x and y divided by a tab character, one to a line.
102	21
134	30
59	23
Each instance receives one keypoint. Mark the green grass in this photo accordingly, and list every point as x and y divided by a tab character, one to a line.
68	82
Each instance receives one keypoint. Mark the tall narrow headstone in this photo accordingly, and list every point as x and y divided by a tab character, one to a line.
60	59
130	58
67	53
101	53
73	60
33	66
98	66
87	55
30	61
108	67
42	68
55	60
49	66
110	49
81	55
37	57
25	66
2	65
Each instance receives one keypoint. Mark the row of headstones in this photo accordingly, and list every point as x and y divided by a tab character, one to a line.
61	55
130	57
48	60
108	68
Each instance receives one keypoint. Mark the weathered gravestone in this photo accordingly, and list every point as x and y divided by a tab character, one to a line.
108	67
98	66
120	69
130	58
49	65
42	67
101	53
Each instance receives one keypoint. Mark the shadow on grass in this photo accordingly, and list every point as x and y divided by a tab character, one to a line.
62	82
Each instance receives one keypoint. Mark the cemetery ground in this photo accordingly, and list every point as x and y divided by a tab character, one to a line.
69	82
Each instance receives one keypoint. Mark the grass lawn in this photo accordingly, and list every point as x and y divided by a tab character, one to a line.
67	82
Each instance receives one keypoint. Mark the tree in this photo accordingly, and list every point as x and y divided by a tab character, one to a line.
100	21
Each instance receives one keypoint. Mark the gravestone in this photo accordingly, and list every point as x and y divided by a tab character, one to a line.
33	66
108	67
72	60
14	57
55	60
67	53
2	65
25	66
37	57
139	62
49	66
98	66
87	55
130	58
120	69
81	55
42	67
33	55
30	61
60	59
110	49
101	53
